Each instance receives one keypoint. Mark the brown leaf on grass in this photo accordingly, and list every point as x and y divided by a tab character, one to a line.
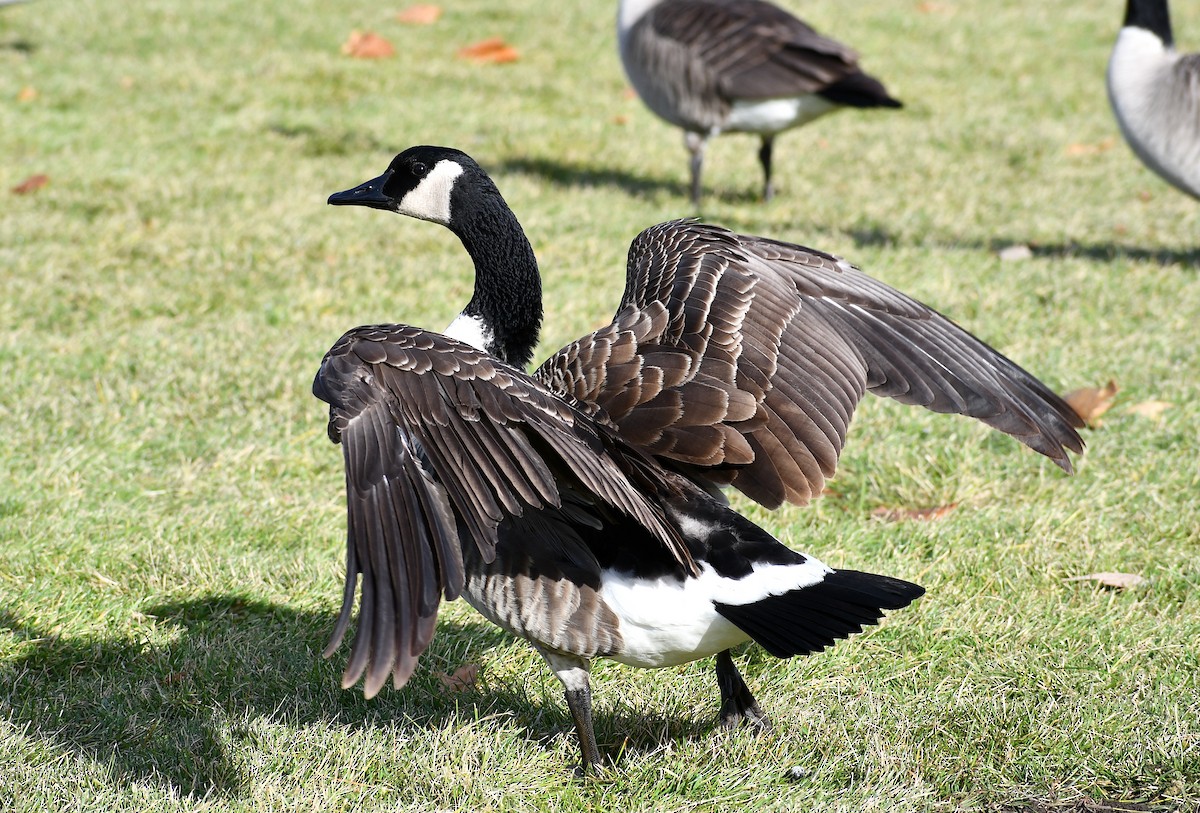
1090	403
31	184
1117	581
1151	410
420	14
924	514
27	94
928	7
367	45
493	49
462	679
1091	149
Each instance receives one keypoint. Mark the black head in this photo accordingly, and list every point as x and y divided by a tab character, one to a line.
420	182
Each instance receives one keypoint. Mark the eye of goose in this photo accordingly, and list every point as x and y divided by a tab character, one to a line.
419	169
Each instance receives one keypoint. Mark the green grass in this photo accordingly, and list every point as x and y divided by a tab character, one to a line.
171	512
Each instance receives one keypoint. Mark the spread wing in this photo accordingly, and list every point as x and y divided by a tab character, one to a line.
757	49
742	359
442	443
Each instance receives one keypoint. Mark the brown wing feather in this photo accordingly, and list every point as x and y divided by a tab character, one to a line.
757	49
742	360
441	441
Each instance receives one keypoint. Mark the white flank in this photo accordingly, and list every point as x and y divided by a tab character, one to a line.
471	330
666	622
430	199
775	115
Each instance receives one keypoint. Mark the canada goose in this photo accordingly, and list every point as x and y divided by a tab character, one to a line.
578	507
741	66
1155	95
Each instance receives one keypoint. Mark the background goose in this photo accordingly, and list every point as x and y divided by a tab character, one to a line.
745	66
1155	95
579	507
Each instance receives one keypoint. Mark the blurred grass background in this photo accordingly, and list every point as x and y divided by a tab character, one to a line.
171	513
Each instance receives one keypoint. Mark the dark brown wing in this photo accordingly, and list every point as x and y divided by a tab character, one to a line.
440	441
756	49
744	358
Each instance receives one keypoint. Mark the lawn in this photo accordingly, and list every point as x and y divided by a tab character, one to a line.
171	512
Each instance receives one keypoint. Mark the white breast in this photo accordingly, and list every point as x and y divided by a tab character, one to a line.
1156	107
471	330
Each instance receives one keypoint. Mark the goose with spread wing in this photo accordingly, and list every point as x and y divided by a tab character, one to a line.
579	507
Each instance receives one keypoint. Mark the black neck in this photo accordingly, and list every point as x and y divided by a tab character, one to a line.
508	287
1151	15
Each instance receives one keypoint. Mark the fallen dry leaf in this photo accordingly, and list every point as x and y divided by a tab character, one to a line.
924	514
931	8
462	679
27	94
367	45
620	119
420	14
1150	409
31	184
1117	581
1092	149
1090	403
490	50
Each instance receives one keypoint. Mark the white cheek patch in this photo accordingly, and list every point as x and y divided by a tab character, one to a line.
430	199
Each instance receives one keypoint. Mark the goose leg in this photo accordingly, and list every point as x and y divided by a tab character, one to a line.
573	672
695	143
737	704
764	158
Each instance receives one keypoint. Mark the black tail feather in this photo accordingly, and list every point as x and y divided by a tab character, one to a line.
859	90
812	618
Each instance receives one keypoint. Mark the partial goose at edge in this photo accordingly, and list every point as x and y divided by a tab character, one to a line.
1155	95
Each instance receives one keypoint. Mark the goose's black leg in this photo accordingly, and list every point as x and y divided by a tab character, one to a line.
764	158
573	672
737	704
695	143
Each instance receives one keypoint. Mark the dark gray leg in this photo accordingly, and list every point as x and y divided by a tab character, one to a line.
573	672
737	704
764	158
695	143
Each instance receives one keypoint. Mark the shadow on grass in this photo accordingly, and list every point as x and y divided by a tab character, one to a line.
24	47
876	236
563	173
169	715
1108	252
